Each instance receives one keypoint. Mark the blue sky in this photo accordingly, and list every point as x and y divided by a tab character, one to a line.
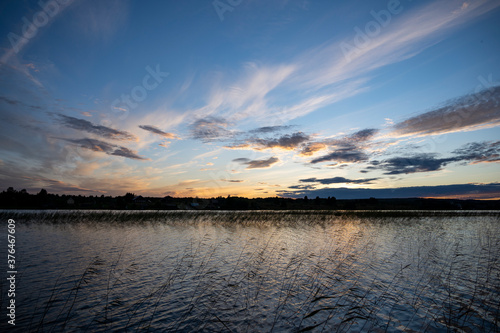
251	98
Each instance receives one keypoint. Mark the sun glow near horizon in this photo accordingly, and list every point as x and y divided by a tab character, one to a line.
261	99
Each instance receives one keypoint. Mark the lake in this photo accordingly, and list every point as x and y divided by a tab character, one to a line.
287	271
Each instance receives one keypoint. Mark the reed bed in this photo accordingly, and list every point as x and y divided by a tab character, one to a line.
352	273
222	217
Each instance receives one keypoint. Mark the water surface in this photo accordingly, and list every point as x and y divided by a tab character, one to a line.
256	272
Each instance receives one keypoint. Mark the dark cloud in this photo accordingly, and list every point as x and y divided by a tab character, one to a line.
312	147
158	131
289	141
87	126
9	101
413	164
16	102
474	152
478	152
361	136
338	180
459	191
348	149
302	187
101	146
478	110
270	129
343	155
257	164
210	129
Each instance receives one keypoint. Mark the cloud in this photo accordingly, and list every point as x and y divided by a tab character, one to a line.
417	163
211	128
312	147
287	142
458	191
15	102
479	152
343	155
22	41
99	21
13	176
325	74
165	144
257	164
474	152
467	113
270	129
338	180
87	126
348	149
362	136
101	146
408	34
302	187
156	130
9	100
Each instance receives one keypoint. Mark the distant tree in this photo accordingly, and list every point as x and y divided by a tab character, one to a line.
43	192
306	198
317	201
129	197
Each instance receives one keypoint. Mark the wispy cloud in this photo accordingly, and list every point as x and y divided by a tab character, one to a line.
17	177
412	164
479	152
156	130
210	129
474	152
285	142
325	75
257	164
100	21
407	35
108	148
347	149
467	113
343	155
313	147
459	191
338	180
87	126
270	129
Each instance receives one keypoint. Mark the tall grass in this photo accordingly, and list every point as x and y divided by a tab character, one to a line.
430	277
222	217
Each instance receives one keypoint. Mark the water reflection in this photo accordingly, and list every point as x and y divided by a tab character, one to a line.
288	272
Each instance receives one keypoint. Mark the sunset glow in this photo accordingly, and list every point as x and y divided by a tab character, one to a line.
255	98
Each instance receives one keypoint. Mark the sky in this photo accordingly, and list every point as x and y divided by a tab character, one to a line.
253	98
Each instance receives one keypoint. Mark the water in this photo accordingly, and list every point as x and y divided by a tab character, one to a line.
254	272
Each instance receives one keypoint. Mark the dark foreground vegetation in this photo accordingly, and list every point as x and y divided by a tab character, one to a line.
13	199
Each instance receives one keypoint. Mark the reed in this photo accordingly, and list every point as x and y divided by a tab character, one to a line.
341	285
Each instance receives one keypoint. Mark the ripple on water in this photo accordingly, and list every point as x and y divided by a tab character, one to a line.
285	271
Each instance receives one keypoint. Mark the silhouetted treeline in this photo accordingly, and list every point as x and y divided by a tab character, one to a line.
14	199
